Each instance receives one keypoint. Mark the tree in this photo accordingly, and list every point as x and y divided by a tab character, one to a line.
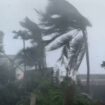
31	56
67	28
37	52
103	64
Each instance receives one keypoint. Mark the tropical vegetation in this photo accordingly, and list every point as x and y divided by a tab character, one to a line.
41	85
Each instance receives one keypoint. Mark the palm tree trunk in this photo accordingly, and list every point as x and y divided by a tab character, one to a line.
69	94
87	60
33	99
25	82
45	65
24	45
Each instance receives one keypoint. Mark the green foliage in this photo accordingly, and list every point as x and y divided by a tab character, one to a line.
82	100
8	88
46	90
53	96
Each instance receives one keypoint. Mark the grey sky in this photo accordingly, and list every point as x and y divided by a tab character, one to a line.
13	11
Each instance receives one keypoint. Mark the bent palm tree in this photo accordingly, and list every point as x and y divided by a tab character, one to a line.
33	33
67	28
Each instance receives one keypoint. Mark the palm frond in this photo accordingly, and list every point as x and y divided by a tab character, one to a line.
62	40
23	34
80	57
62	15
30	25
76	54
64	55
33	28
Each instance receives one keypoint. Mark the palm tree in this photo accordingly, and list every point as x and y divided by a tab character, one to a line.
32	32
103	64
67	29
36	37
24	36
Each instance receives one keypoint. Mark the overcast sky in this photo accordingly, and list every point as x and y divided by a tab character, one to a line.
13	11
